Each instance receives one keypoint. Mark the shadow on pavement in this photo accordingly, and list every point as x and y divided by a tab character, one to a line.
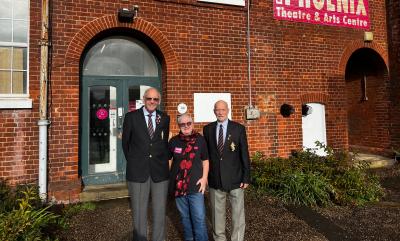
323	225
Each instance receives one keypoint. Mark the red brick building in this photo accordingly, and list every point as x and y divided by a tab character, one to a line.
184	47
393	7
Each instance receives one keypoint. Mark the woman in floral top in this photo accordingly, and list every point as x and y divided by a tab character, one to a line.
189	173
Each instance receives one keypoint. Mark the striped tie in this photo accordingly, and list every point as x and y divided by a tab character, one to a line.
220	140
150	126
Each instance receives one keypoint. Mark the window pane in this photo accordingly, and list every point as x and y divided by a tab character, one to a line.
5	30
5	58
5	82
20	9
20	31
5	8
19	59
18	82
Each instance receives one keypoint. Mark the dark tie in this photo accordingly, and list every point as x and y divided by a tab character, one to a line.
220	140
150	126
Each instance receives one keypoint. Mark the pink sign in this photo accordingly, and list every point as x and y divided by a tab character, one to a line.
102	114
341	13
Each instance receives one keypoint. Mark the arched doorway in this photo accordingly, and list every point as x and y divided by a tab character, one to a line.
367	87
115	72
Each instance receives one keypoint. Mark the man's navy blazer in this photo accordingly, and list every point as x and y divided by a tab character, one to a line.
231	168
144	156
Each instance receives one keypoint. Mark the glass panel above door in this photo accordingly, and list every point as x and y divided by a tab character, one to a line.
120	56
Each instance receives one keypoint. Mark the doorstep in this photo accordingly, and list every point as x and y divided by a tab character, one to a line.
375	161
104	192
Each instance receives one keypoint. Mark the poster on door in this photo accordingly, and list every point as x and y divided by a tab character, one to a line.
339	13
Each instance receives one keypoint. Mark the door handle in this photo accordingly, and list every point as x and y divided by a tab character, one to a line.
120	116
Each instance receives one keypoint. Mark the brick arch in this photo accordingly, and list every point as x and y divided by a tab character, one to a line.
90	30
358	44
317	97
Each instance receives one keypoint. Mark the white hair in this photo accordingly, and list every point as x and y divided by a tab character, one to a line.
152	88
184	115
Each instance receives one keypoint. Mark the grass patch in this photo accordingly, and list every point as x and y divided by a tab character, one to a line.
73	209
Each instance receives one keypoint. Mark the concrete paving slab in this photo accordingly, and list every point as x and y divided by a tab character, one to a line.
375	161
104	192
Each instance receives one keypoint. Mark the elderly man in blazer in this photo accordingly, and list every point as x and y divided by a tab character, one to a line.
229	171
145	145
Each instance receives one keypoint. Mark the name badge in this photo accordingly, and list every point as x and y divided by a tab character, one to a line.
178	150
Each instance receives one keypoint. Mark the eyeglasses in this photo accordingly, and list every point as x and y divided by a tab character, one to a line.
186	124
154	99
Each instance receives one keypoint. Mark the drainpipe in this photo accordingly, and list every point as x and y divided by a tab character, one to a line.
43	121
251	112
249	53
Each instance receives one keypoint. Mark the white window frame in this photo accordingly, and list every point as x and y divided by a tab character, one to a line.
18	101
241	3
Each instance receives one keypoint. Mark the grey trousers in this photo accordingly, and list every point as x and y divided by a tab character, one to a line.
218	212
139	193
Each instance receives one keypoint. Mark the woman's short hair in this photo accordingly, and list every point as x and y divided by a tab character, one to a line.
180	117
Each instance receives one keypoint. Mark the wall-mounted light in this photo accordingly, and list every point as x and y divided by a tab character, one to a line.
368	36
286	110
126	15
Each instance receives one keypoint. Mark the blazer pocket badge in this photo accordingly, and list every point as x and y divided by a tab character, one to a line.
233	146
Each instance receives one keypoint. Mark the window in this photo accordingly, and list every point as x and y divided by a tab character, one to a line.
14	22
228	2
120	56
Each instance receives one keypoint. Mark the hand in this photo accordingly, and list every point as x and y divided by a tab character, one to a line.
244	185
203	184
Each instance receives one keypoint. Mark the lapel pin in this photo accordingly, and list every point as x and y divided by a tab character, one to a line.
158	119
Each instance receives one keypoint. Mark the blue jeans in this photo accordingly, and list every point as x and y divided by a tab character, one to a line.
193	216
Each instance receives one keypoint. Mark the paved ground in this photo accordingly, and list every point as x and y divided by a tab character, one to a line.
266	218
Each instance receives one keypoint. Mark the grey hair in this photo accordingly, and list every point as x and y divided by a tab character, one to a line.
221	101
151	88
179	119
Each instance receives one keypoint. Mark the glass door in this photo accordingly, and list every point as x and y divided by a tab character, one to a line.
105	101
102	129
116	71
101	126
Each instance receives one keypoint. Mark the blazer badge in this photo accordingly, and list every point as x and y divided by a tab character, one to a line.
158	119
233	146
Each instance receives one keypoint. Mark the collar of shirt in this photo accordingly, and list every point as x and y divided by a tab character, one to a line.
146	117
224	124
224	128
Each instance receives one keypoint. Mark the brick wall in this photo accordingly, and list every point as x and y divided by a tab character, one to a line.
369	120
394	54
18	128
203	49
